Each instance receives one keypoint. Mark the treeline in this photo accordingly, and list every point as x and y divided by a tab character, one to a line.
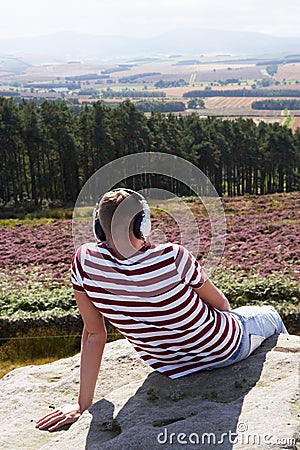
89	76
171	83
208	92
276	104
48	152
10	93
286	60
124	93
133	78
159	106
53	85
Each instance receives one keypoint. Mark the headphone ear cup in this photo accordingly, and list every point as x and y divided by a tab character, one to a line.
98	231
145	227
137	226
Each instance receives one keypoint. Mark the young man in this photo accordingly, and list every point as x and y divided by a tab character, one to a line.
158	297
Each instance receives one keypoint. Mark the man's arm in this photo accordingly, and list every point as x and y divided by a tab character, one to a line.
92	345
211	295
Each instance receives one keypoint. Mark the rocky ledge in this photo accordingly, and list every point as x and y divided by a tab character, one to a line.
253	404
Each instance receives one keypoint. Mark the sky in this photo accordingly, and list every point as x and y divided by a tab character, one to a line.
142	18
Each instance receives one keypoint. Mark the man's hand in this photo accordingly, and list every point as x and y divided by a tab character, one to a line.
61	416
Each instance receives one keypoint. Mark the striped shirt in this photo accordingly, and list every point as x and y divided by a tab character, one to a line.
150	299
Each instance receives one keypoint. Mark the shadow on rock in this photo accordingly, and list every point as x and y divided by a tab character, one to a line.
200	410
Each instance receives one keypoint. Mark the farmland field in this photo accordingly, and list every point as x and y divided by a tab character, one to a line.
238	102
48	72
240	73
81	83
227	102
288	72
171	68
241	107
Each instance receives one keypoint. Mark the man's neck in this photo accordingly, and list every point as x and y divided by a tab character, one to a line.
125	251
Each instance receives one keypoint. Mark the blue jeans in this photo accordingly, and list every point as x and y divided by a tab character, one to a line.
258	323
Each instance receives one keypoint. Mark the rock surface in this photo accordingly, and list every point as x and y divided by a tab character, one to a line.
253	404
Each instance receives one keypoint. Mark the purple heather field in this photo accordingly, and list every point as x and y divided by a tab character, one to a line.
262	238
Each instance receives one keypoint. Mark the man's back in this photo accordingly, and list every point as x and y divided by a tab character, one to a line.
151	299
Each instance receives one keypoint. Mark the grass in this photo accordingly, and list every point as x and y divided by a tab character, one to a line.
277	290
9	216
41	346
7	366
176	206
28	221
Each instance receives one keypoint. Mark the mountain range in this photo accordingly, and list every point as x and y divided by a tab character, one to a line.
66	46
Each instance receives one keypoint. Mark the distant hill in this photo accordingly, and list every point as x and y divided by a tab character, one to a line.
68	46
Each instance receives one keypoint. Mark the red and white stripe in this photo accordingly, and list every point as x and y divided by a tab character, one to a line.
150	299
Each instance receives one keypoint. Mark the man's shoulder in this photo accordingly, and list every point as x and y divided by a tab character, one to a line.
178	250
168	247
176	247
90	247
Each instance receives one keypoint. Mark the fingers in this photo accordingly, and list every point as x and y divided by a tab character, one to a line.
61	423
48	416
58	418
49	419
